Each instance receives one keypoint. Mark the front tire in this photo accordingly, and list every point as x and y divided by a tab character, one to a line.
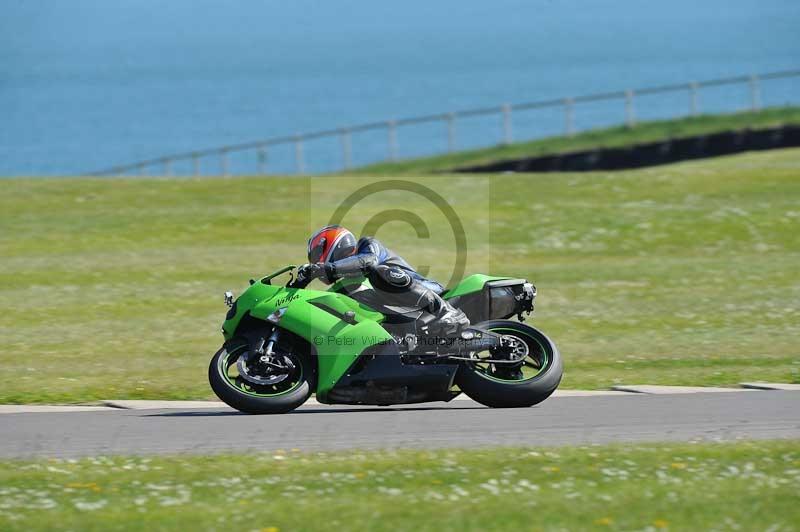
259	400
507	386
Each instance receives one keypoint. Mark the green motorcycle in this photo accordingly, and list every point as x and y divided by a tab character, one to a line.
285	342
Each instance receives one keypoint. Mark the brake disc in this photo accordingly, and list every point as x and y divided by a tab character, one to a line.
249	373
517	349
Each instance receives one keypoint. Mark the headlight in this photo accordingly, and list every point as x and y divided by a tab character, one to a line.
276	316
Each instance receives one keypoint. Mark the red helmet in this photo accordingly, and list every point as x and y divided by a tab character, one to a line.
330	244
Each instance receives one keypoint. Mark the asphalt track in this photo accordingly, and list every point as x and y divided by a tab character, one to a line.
557	421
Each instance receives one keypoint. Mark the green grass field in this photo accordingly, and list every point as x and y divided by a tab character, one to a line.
680	274
740	486
599	138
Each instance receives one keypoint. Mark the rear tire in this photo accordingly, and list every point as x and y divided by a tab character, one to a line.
497	392
252	403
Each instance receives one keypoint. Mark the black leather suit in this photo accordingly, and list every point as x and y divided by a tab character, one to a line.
396	286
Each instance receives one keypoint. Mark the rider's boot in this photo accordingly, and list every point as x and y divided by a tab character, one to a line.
449	319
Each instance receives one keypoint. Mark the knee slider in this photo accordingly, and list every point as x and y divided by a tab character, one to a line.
390	278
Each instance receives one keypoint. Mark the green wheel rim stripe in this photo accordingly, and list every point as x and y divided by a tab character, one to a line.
223	369
545	357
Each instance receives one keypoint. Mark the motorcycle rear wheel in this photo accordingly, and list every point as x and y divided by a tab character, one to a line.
508	386
251	399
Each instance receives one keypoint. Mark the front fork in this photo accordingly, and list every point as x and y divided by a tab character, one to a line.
271	341
266	354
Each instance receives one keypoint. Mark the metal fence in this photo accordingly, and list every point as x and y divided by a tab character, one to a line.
198	162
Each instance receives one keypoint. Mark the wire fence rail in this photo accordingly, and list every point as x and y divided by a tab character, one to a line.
505	113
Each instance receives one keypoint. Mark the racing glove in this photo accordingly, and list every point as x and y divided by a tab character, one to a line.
309	272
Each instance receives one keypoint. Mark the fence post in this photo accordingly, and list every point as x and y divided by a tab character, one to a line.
451	132
167	166
508	134
569	117
262	160
755	93
195	164
347	148
223	161
299	161
630	113
392	130
693	98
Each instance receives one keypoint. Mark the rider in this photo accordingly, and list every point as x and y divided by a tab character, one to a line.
333	253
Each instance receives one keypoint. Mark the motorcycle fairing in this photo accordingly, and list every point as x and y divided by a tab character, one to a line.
471	283
320	318
379	377
316	316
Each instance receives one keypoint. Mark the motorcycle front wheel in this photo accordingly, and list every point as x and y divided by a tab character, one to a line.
268	392
528	368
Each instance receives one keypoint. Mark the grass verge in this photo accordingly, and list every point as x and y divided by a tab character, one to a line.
732	486
681	274
599	138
